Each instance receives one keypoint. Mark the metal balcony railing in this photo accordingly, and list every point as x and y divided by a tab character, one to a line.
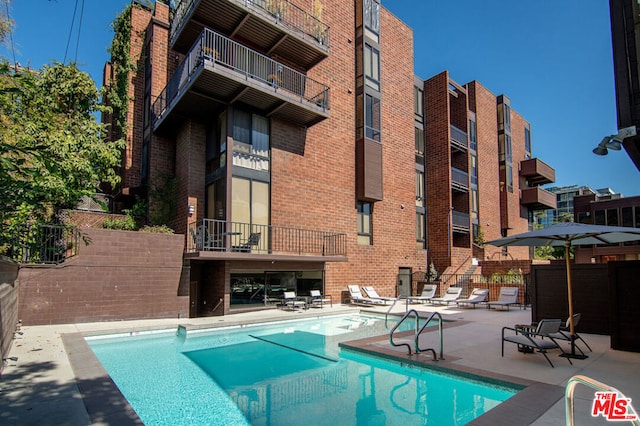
46	244
460	221
459	180
223	236
246	63
285	12
459	139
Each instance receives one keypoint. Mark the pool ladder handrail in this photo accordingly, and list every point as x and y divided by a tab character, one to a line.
418	331
594	384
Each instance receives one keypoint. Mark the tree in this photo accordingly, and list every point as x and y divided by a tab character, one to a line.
52	149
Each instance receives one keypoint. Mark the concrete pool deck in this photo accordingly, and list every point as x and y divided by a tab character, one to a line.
54	381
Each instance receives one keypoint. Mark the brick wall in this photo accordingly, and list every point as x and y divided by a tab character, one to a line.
119	275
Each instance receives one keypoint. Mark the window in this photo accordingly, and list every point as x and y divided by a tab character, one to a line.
507	118
599	217
527	142
418	104
372	15
474	169
250	141
420	233
372	117
474	203
419	141
419	188
372	67
612	217
473	136
364	223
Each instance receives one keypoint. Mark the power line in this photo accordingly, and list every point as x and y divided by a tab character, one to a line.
13	50
75	59
73	20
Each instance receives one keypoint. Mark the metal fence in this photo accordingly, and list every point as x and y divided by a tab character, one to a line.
46	244
220	235
492	282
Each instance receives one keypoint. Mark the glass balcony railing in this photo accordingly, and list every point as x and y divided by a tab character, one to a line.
459	138
459	179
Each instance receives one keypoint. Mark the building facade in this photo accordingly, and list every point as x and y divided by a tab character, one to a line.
277	137
611	211
481	181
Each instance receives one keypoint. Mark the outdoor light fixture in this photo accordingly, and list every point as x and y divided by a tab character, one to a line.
192	209
614	142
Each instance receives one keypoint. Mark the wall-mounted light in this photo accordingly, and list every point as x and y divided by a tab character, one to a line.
614	142
191	209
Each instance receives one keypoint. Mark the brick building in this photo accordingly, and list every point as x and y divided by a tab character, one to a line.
277	137
612	211
481	182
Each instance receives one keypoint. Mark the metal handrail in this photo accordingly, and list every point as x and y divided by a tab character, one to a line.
594	384
424	326
417	333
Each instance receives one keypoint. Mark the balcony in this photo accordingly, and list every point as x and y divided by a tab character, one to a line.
219	239
537	198
276	27
537	172
219	71
459	139
459	180
460	222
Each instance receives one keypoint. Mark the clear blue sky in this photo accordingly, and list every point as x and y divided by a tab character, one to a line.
552	58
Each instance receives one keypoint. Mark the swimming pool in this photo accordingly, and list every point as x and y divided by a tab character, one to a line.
283	374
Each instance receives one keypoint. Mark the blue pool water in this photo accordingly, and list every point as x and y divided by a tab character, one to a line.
284	374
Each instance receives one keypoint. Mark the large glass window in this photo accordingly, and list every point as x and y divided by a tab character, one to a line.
612	217
372	117
372	67
250	206
250	141
364	223
420	230
474	169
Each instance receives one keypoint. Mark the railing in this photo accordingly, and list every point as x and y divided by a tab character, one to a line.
460	221
286	13
459	138
223	236
594	384
220	50
459	179
45	244
493	283
418	331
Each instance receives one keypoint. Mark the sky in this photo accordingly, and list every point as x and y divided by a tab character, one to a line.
552	58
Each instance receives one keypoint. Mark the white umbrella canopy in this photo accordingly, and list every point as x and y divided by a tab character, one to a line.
567	234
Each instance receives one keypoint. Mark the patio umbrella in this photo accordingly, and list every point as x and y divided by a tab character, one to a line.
567	234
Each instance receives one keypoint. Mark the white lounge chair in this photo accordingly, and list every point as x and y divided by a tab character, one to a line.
508	296
450	296
427	295
478	295
358	299
373	294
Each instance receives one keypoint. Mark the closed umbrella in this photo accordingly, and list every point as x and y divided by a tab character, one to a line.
567	234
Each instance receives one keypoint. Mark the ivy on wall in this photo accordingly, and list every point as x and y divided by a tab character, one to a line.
118	91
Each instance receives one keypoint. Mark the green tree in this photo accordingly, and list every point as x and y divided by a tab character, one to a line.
52	149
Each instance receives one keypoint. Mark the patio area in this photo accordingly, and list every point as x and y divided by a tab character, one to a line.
40	382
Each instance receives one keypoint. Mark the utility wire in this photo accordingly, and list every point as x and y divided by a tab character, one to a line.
73	20
75	59
13	50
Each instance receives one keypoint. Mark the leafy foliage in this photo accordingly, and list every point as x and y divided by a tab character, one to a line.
52	150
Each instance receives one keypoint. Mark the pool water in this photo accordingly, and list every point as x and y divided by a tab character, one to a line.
284	374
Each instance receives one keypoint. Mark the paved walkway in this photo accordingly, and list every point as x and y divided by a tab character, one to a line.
38	385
